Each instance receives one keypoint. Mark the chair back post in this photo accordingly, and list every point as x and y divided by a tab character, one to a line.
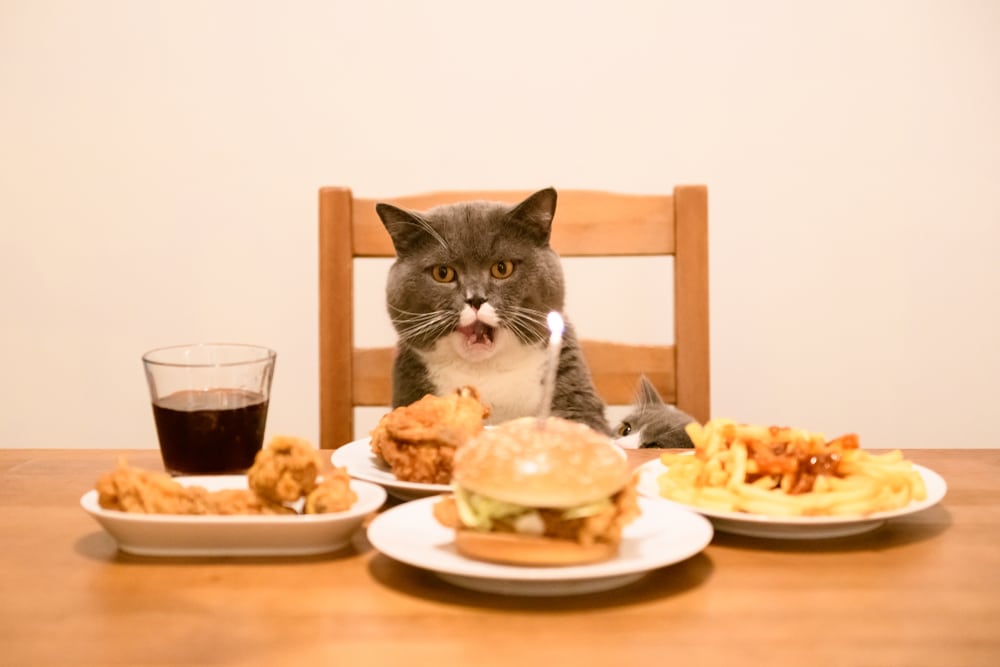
691	295
336	316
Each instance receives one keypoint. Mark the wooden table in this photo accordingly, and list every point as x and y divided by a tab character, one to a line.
922	590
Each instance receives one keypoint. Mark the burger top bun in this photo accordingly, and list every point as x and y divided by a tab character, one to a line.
562	464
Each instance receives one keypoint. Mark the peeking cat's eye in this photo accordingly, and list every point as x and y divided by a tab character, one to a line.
625	428
443	273
502	269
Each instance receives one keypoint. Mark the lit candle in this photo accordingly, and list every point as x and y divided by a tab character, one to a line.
556	327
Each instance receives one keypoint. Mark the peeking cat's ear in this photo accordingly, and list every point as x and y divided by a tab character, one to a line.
647	393
534	215
406	228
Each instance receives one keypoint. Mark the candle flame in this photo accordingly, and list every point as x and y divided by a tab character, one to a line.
556	325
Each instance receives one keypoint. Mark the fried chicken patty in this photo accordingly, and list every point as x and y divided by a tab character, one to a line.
604	526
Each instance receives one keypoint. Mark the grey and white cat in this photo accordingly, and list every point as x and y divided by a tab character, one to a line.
653	422
468	295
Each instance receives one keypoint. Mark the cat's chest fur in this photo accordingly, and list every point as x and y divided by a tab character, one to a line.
510	382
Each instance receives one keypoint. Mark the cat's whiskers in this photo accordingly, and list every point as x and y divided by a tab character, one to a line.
411	326
517	328
528	324
533	314
413	315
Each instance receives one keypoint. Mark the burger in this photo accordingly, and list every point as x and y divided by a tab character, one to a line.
530	492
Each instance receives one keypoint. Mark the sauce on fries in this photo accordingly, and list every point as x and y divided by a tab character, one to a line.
782	471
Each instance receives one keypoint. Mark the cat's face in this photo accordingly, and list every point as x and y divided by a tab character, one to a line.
653	423
478	275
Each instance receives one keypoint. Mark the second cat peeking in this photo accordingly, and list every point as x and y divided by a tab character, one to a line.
468	297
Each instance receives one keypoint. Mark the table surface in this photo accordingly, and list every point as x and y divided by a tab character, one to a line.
921	590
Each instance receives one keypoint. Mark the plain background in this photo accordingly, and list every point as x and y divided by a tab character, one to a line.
160	161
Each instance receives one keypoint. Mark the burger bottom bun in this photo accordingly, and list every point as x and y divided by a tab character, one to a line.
517	549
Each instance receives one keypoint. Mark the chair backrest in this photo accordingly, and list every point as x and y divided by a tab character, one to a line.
587	223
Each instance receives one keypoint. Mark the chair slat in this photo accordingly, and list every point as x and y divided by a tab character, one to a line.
587	224
613	367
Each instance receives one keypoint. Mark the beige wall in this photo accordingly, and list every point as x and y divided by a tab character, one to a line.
159	163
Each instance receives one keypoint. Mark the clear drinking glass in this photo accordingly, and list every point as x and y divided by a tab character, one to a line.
210	405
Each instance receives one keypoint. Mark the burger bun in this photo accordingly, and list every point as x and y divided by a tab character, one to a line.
553	464
519	549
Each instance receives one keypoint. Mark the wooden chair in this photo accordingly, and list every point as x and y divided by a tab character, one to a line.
587	223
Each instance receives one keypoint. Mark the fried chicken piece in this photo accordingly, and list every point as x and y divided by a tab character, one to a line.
447	419
418	441
285	470
243	501
129	489
424	463
333	494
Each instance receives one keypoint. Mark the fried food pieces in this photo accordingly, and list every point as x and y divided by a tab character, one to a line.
332	494
287	470
283	480
243	501
418	441
284	470
129	489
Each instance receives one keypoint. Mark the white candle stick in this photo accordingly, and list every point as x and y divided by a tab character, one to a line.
556	327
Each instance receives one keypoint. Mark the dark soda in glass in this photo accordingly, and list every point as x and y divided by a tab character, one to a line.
211	431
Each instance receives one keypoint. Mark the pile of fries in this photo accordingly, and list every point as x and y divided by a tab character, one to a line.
780	471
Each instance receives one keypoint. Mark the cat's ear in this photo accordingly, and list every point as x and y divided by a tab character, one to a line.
647	393
406	228
534	215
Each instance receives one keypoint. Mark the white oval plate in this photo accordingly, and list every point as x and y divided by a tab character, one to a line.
795	528
234	535
362	464
660	536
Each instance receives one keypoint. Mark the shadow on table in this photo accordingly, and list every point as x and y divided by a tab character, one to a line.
894	533
657	584
99	546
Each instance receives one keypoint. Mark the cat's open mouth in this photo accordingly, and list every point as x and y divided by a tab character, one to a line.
477	333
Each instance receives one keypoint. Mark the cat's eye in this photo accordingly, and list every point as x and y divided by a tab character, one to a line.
625	428
502	269
443	273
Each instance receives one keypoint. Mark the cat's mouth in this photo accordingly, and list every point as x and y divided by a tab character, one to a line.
477	333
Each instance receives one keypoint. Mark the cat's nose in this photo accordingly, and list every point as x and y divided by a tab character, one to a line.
475	301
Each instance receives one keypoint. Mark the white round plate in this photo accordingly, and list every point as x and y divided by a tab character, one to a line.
795	528
234	535
660	536
361	464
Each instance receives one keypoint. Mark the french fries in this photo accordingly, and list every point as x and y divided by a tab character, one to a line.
786	472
